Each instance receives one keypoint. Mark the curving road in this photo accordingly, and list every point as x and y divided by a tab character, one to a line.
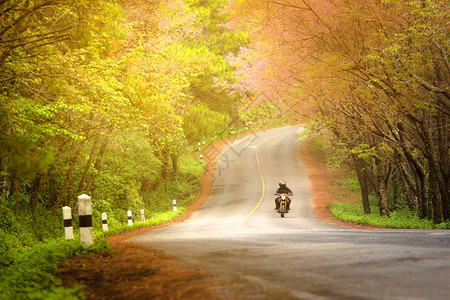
252	253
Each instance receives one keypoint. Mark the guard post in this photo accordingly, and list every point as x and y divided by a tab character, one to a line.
85	219
68	227
104	222
174	203
130	218
142	216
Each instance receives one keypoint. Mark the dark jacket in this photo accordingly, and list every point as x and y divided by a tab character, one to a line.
285	190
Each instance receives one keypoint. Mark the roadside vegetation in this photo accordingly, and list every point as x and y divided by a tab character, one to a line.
346	190
373	77
109	99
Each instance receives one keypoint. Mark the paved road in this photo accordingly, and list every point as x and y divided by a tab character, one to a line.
255	254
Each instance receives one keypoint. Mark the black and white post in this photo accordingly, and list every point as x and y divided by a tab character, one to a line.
85	218
174	204
104	222
130	218
68	227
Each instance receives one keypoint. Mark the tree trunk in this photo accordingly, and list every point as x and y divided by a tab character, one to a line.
174	158
165	167
423	199
146	186
444	165
446	202
396	193
68	180
15	189
436	200
382	179
383	197
361	173
97	164
36	191
410	199
69	196
439	192
88	164
3	179
421	181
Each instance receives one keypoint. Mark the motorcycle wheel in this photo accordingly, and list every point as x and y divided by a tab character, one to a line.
283	210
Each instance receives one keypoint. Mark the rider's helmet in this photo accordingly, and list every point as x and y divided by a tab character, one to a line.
282	184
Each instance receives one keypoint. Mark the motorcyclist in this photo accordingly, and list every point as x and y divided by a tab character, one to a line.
283	189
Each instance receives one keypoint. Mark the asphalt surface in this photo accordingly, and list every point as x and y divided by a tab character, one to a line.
253	253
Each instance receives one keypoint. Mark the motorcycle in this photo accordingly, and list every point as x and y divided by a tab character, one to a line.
283	203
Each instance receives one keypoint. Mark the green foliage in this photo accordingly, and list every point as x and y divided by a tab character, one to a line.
29	276
365	151
182	186
32	245
102	98
104	109
324	148
264	115
200	122
24	230
211	84
400	215
398	219
152	219
319	148
130	161
352	184
191	168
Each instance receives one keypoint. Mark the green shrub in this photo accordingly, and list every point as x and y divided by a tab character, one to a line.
200	122
33	240
318	147
29	276
403	218
352	184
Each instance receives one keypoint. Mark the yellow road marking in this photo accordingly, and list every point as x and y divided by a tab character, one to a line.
381	230
262	181
260	173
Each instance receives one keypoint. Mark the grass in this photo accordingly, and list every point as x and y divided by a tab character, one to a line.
345	188
30	273
27	266
403	218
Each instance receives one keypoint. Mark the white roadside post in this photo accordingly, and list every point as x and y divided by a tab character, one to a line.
142	216
85	218
104	222
201	158
174	205
130	219
68	228
199	148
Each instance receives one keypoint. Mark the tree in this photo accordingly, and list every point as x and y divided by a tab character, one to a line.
213	42
375	73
